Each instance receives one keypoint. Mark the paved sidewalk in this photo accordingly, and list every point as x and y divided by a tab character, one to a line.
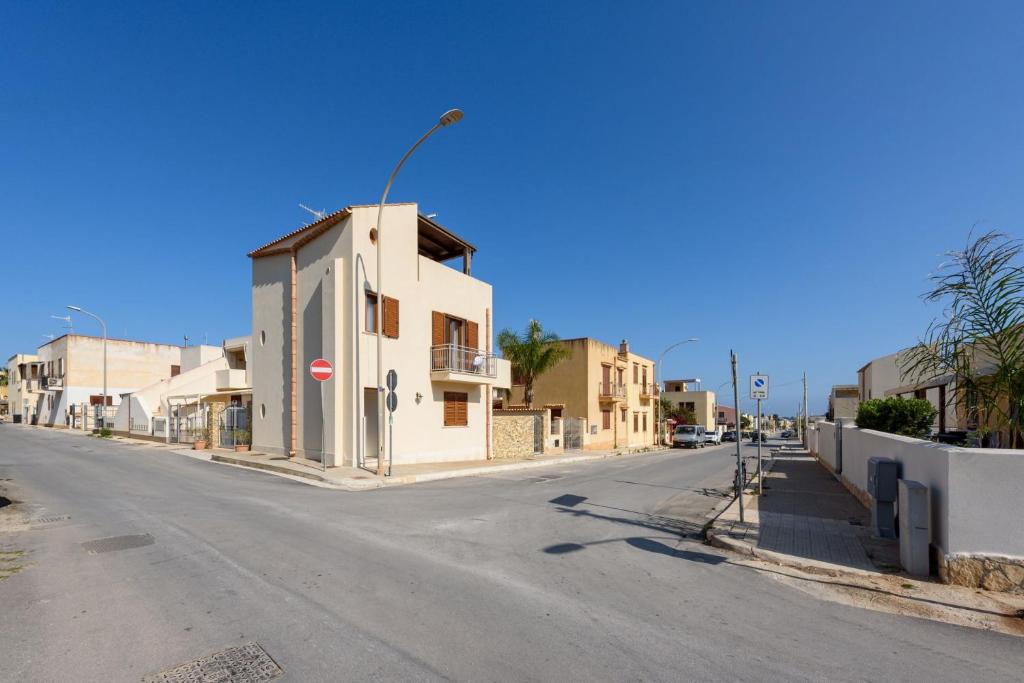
805	514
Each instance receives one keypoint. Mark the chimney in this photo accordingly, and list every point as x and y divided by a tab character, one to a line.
624	347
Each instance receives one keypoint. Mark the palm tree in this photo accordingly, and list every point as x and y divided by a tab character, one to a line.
531	354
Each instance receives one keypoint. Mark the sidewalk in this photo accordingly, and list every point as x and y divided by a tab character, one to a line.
806	519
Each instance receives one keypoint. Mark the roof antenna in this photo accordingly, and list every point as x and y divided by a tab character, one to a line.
186	341
67	321
48	336
431	215
319	214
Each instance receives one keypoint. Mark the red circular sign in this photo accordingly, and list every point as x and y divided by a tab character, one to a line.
321	370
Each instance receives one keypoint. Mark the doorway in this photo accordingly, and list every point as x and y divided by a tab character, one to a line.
371	444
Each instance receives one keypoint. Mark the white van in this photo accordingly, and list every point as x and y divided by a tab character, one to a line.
688	436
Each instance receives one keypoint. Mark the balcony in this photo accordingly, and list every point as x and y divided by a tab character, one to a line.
611	391
451	363
33	384
230	379
648	391
51	383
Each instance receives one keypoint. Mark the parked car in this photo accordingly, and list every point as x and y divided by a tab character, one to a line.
754	436
712	437
746	433
786	434
729	436
688	436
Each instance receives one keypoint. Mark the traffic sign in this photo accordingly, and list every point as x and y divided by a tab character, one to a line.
321	370
391	401
759	387
392	380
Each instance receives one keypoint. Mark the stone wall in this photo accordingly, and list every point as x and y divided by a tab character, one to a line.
991	573
512	432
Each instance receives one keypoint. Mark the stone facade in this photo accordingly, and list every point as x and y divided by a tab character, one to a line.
1003	574
512	432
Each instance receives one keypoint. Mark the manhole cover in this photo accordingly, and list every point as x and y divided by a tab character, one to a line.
51	519
247	663
107	545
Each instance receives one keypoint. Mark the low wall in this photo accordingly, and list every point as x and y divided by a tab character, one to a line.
512	432
976	498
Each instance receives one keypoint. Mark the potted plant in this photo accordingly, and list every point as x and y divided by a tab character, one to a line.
201	440
243	440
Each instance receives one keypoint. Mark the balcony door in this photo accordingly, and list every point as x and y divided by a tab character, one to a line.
606	380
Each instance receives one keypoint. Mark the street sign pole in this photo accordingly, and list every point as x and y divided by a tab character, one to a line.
321	370
391	403
739	435
760	475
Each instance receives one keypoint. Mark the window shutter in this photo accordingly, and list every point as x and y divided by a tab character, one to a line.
456	409
390	317
437	328
472	335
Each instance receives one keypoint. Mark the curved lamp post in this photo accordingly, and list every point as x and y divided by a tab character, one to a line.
657	407
103	411
448	118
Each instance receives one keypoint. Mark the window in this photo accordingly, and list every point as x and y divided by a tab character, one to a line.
636	422
60	367
606	419
263	337
636	373
622	380
644	382
623	411
371	311
175	370
456	412
645	422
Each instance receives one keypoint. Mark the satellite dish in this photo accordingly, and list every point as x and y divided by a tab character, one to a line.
478	361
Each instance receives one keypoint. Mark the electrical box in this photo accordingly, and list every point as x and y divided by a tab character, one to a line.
883	473
914	527
883	478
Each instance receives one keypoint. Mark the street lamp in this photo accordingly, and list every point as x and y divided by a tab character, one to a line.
657	407
448	118
103	411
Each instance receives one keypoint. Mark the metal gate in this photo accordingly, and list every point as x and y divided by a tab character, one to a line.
538	434
234	426
572	433
187	423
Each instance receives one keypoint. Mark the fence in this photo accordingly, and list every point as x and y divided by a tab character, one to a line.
976	497
462	359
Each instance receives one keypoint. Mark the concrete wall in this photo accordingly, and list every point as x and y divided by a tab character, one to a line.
975	495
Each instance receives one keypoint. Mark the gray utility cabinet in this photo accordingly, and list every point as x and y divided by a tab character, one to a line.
914	519
883	475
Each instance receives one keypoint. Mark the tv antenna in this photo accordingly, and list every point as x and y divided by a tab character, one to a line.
319	214
67	321
186	341
48	336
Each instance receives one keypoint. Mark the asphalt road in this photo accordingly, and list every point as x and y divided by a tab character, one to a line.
571	574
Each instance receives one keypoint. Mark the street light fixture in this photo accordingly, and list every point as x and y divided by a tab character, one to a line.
657	407
103	411
448	118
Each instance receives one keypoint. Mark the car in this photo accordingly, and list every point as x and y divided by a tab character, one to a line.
712	437
754	436
786	434
729	436
688	436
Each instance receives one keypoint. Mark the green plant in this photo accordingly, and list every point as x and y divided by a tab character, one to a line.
746	422
979	344
241	437
106	433
895	415
531	355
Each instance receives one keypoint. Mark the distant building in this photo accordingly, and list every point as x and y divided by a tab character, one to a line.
701	403
725	417
23	390
605	394
843	401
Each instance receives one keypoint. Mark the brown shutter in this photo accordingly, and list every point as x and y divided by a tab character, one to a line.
390	317
437	328
456	409
472	335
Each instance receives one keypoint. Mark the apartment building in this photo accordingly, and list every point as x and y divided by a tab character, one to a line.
882	377
605	395
23	390
702	403
843	401
313	296
66	374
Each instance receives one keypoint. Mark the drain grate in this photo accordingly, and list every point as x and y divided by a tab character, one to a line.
51	519
247	663
107	545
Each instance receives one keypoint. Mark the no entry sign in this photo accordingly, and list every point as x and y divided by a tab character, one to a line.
321	370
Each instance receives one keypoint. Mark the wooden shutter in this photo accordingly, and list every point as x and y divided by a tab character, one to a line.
606	419
390	317
456	409
472	335
437	328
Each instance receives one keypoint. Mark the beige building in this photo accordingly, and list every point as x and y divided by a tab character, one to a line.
23	387
882	377
313	297
843	401
703	404
67	375
604	395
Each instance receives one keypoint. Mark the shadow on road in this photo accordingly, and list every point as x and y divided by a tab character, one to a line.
640	543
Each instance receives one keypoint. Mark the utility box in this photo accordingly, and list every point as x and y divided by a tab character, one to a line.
914	527
883	475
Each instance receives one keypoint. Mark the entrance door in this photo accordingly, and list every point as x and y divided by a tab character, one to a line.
370	427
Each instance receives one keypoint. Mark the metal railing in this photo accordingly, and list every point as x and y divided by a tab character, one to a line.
452	358
649	389
611	389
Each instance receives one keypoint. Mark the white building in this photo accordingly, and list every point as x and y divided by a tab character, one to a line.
313	297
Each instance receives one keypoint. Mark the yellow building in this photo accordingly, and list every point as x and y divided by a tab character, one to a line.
605	395
702	404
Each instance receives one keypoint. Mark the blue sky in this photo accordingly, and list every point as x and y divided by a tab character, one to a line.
777	178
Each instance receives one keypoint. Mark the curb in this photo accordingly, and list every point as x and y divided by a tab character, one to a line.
722	540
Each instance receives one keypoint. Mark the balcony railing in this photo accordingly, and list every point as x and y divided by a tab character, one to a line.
611	390
462	359
648	389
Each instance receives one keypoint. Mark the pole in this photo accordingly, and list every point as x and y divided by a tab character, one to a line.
805	439
447	118
657	406
760	436
739	438
323	430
